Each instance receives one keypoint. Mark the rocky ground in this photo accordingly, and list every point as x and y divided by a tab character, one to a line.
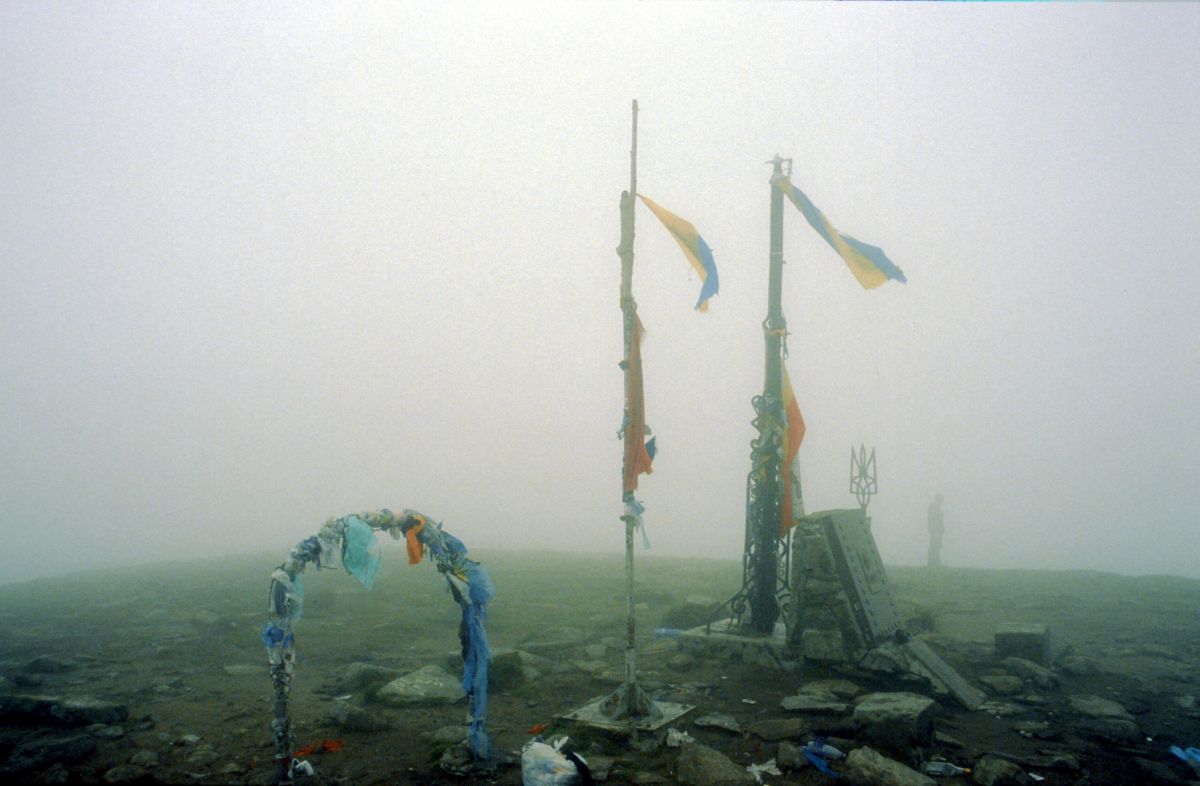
158	675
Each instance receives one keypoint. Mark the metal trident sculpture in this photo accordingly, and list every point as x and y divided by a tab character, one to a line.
862	476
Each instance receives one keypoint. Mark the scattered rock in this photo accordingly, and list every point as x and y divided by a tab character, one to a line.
994	771
700	765
885	659
105	732
896	721
144	759
1120	730
366	677
1000	709
444	736
430	685
867	767
44	751
201	757
1003	685
124	773
718	720
808	703
28	680
842	689
507	669
1040	676
790	756
349	716
78	711
1079	666
592	667
1097	707
600	766
681	662
594	651
84	710
1036	729
776	729
48	664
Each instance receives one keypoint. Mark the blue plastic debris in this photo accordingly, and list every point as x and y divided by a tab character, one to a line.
816	752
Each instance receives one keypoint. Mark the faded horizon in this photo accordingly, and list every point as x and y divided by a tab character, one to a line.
265	265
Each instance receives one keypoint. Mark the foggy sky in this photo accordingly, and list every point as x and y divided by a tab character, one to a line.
266	264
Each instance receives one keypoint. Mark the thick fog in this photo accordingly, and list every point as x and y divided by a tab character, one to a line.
267	264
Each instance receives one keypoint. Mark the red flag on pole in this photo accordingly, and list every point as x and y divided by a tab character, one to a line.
795	435
637	459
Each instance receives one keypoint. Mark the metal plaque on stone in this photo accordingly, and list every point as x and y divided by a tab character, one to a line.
861	571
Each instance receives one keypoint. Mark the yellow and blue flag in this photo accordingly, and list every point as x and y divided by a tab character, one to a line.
694	248
868	263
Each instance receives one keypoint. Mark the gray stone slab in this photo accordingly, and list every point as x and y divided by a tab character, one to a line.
1023	640
932	666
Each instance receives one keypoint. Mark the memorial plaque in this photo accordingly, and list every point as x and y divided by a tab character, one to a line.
862	573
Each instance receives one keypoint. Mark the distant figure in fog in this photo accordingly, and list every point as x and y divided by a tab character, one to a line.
936	529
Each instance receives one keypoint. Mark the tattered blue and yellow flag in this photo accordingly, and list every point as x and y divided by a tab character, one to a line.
868	263
694	248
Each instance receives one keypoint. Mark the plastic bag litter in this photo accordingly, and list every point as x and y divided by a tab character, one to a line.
768	767
545	765
360	551
676	738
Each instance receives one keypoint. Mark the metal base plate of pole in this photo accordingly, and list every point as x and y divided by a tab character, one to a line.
607	713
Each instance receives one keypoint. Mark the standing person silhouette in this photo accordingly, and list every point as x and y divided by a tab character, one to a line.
936	530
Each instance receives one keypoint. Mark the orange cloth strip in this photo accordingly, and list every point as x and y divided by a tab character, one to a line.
416	549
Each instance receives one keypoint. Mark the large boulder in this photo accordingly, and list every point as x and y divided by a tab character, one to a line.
431	685
43	751
896	721
867	767
700	765
77	711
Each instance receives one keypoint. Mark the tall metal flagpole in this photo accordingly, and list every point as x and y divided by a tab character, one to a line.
765	561
628	708
629	320
764	608
628	702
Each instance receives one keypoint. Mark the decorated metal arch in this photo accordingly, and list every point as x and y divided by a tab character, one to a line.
351	542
